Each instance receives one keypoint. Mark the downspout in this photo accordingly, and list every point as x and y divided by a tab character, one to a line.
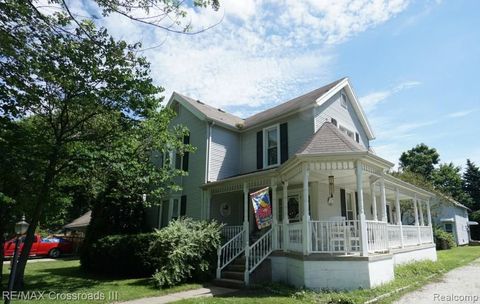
209	141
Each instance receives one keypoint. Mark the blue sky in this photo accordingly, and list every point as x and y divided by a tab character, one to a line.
413	64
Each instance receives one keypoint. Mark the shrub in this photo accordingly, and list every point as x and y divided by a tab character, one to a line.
443	239
184	250
124	255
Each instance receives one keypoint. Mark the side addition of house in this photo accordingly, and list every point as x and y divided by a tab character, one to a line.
335	208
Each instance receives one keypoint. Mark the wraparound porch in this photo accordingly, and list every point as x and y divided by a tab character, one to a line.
313	216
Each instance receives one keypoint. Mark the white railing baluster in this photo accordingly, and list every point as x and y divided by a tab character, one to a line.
230	251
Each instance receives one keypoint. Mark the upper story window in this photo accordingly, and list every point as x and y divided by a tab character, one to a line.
334	121
271	140
347	131
343	101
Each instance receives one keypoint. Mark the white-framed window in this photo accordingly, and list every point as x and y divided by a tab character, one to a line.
347	131
271	146
343	100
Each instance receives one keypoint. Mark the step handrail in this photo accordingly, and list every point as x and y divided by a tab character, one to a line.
230	251
259	251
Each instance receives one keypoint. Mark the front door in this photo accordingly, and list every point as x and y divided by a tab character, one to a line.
348	205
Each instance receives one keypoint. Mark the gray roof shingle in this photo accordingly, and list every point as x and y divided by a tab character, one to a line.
286	107
81	222
329	139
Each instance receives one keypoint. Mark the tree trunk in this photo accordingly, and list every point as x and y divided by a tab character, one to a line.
40	204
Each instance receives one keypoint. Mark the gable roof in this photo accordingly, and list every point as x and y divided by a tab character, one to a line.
292	105
315	97
81	222
329	139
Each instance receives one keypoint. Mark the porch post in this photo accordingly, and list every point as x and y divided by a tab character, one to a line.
274	215
399	215
429	219
285	215
383	199
246	229
208	198
415	209
374	201
170	210
306	216
429	215
363	223
420	208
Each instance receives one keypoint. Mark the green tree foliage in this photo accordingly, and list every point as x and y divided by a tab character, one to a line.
471	184
75	102
421	159
185	249
448	179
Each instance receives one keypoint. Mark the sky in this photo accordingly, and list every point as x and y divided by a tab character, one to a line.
413	64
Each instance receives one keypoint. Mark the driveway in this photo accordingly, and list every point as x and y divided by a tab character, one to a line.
461	285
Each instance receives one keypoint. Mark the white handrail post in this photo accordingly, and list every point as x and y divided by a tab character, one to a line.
246	231
399	216
219	270
363	223
285	215
306	216
274	214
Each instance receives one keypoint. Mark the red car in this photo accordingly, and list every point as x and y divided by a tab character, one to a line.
50	246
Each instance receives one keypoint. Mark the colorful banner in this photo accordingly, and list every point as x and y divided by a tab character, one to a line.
262	208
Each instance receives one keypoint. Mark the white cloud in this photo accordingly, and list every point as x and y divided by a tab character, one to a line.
262	52
369	102
459	114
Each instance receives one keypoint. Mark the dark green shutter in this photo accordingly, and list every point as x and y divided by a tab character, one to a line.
260	150
356	202
186	141
343	203
283	143
183	205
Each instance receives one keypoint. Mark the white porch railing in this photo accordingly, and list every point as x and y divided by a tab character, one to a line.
230	251
335	236
394	236
228	232
295	237
410	235
426	234
377	235
259	251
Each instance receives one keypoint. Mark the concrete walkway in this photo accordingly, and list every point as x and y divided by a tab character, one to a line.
189	294
461	285
34	260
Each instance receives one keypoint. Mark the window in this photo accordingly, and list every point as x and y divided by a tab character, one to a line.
357	137
350	207
175	209
178	161
271	145
343	101
334	121
449	228
347	131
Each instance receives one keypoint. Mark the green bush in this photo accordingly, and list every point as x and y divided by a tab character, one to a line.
443	239
185	250
124	255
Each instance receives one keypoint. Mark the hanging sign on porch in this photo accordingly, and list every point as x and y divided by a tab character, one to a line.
262	208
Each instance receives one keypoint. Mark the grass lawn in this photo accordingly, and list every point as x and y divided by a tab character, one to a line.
64	276
413	275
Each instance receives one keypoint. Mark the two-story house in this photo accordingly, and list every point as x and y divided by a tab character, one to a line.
336	212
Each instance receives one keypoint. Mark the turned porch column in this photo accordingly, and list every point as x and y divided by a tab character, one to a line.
363	223
415	210
420	208
383	199
374	201
274	215
285	215
246	229
306	217
399	214
429	214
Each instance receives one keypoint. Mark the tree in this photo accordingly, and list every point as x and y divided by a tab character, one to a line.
72	91
471	183
448	179
421	159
